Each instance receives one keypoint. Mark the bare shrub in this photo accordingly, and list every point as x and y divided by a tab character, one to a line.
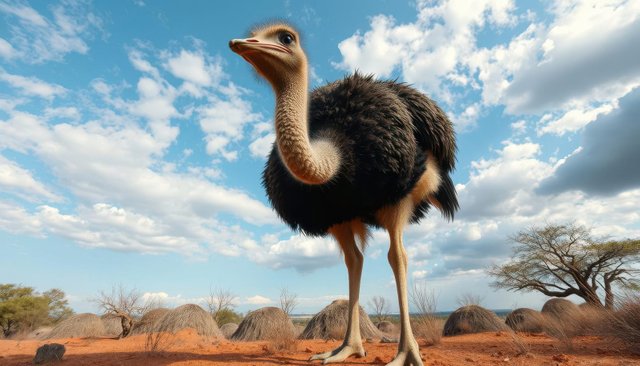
426	324
121	299
220	303
380	307
428	328
288	301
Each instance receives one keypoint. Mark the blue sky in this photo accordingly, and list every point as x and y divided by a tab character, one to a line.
132	141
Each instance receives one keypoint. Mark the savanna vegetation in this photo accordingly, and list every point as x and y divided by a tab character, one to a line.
560	260
22	309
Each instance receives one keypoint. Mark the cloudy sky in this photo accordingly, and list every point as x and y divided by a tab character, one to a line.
132	141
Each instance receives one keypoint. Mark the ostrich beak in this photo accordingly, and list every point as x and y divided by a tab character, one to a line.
241	46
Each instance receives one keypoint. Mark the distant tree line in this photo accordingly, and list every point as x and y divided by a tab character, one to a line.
23	309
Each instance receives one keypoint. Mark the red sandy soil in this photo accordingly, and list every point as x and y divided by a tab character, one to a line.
187	348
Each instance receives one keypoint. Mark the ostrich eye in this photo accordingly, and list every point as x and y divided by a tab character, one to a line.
285	38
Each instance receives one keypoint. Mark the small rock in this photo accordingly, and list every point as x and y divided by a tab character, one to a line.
308	350
506	359
378	361
49	353
560	358
469	359
386	339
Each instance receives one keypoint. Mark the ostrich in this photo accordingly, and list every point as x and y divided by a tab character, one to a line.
353	154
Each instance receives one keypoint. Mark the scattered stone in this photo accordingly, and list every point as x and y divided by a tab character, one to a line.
308	350
469	359
49	353
378	361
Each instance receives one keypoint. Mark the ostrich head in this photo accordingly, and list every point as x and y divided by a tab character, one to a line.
275	52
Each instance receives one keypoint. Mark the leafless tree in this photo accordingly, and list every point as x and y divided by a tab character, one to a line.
288	301
219	301
380	307
563	260
128	301
124	303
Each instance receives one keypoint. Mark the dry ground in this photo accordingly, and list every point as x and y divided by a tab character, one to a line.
187	348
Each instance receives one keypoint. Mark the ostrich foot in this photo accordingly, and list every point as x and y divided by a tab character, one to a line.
409	355
341	353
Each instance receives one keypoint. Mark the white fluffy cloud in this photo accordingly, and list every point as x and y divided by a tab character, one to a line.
500	198
584	55
126	195
6	49
32	86
224	120
429	50
581	59
36	38
14	178
574	119
300	252
194	67
258	300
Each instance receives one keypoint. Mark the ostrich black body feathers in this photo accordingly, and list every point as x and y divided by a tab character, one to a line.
383	130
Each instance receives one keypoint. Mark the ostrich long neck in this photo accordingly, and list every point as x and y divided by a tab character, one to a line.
311	162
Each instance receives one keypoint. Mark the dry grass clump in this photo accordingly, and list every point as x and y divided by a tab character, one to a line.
189	316
148	321
526	320
560	308
428	327
112	325
268	324
623	325
331	323
472	319
78	326
564	320
386	327
186	316
38	333
298	329
264	324
228	329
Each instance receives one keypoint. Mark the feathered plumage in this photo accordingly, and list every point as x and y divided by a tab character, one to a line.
383	130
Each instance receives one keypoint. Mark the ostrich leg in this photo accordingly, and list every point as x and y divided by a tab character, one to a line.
352	344
394	220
